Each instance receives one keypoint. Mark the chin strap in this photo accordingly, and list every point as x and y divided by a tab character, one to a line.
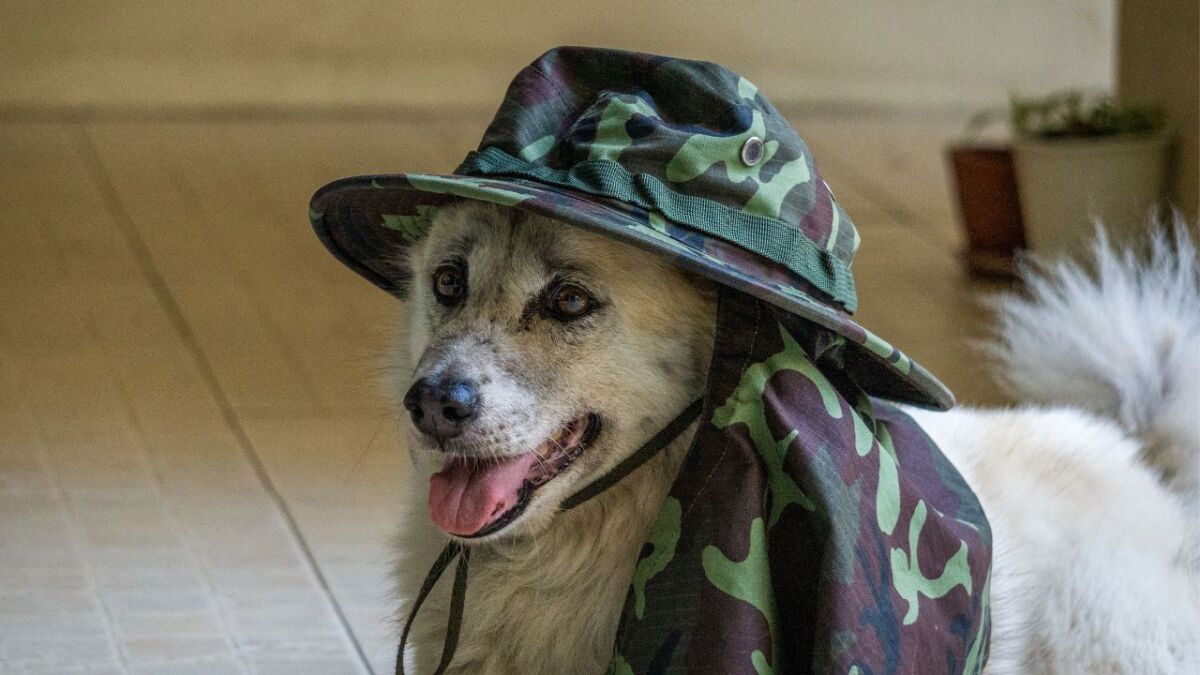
456	550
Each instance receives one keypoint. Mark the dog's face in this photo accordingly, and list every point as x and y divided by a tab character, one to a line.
541	355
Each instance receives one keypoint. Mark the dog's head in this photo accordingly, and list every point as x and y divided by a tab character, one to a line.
541	355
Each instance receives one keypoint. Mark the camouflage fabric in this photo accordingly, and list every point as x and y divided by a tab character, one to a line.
812	529
683	158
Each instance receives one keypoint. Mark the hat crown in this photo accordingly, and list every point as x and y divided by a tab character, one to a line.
694	128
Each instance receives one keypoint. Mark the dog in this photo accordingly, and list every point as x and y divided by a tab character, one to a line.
536	356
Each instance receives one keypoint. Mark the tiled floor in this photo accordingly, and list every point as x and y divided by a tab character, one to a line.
198	471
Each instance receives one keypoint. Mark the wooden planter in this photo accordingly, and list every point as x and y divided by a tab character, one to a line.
988	207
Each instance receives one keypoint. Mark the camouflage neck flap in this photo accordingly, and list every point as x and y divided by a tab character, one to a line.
811	529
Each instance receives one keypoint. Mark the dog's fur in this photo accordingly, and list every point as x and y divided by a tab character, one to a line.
1093	572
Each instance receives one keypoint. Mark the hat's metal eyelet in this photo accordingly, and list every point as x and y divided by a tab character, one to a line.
752	151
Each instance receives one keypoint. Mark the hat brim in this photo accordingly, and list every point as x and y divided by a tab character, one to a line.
367	222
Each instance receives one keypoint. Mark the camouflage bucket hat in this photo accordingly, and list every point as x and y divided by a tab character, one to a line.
681	158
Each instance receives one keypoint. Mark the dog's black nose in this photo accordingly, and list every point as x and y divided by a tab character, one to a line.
441	408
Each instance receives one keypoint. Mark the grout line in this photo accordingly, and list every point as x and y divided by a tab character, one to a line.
174	313
67	508
170	507
278	335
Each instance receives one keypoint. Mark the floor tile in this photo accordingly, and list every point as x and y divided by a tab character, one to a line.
122	453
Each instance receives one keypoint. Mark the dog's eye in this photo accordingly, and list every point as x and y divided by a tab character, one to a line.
449	284
569	301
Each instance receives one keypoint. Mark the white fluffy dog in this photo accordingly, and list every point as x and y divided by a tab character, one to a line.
583	347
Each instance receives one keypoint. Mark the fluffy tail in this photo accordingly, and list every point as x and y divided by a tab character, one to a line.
1119	337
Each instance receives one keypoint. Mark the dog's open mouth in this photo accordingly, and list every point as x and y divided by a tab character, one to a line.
475	497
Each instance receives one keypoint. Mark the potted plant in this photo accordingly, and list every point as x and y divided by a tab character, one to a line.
1082	160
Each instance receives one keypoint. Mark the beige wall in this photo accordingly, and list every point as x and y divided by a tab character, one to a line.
1160	62
908	53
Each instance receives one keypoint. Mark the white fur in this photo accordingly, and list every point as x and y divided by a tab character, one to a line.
1095	568
1122	340
1090	573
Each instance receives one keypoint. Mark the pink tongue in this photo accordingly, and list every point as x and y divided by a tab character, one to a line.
465	496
